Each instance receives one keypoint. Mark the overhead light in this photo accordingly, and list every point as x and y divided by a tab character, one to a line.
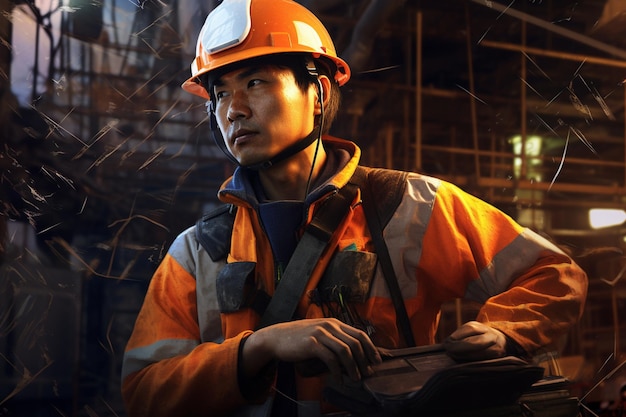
600	218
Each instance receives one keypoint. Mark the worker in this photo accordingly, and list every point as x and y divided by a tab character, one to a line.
202	343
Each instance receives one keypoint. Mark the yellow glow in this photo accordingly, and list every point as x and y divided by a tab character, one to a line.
531	151
599	218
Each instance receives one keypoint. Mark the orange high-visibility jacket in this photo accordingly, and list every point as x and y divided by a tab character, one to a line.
182	357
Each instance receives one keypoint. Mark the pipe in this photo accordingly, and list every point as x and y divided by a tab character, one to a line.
524	17
418	92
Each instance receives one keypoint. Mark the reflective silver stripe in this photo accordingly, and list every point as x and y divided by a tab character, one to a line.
138	358
404	234
183	249
188	252
520	254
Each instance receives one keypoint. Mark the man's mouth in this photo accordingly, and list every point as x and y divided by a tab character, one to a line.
241	136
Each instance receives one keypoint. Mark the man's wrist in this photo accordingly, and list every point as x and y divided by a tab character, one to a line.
256	387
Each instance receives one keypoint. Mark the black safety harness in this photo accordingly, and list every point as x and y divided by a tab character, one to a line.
382	191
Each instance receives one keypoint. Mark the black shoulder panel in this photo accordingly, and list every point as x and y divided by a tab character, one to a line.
213	231
388	185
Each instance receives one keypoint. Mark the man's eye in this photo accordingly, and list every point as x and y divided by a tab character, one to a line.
219	95
254	82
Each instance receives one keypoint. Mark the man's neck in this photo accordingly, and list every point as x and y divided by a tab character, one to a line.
288	179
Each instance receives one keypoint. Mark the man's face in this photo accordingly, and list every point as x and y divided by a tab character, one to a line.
261	110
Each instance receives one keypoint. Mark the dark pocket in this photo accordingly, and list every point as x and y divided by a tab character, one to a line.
349	273
234	286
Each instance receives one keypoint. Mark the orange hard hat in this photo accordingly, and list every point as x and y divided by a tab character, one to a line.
237	30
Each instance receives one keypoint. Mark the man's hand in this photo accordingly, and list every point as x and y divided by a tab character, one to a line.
475	341
342	348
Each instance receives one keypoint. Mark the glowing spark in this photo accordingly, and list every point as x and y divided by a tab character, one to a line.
558	171
472	95
497	18
382	69
532	61
583	139
617	278
154	156
532	88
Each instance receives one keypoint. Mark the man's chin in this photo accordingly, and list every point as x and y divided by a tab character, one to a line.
250	162
247	160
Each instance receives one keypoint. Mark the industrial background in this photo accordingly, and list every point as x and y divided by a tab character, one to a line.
104	160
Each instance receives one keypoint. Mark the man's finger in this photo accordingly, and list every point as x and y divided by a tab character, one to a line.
366	346
473	343
468	329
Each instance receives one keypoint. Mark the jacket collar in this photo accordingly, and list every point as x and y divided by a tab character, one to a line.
239	188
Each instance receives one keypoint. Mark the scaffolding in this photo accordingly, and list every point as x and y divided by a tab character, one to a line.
133	153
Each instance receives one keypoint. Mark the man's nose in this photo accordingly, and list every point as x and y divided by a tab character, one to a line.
238	107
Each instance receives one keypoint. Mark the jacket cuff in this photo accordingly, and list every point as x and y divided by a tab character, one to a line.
515	349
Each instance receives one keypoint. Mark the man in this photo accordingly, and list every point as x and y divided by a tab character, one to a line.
202	343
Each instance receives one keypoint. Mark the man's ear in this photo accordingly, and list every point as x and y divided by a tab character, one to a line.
324	85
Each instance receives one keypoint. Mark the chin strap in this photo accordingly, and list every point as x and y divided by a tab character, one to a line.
216	134
281	156
297	147
302	144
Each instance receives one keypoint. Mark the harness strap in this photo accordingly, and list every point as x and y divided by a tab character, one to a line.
364	178
314	241
213	232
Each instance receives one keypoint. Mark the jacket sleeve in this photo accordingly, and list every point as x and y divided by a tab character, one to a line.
529	289
167	370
